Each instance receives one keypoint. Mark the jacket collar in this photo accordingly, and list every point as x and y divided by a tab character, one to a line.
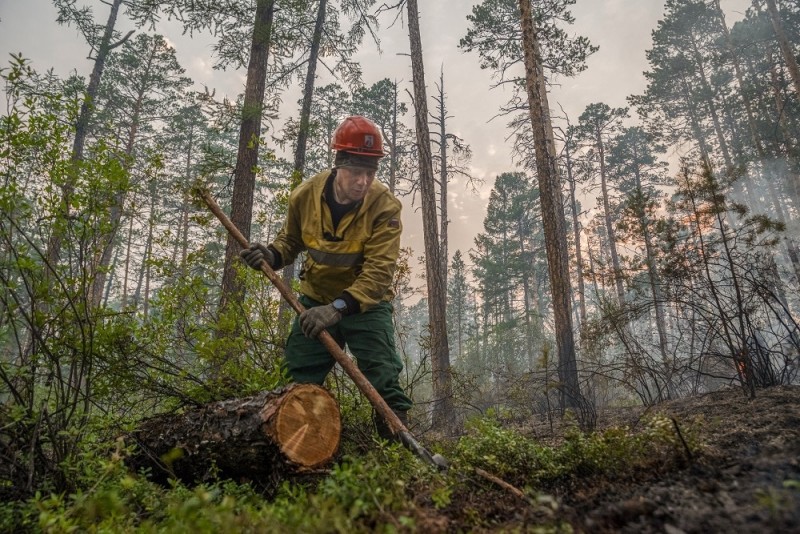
376	189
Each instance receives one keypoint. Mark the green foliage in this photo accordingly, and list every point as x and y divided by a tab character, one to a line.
502	451
507	453
71	354
352	498
373	491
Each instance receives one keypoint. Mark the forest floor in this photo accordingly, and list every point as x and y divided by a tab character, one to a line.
745	479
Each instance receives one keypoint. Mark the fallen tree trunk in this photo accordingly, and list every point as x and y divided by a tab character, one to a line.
296	428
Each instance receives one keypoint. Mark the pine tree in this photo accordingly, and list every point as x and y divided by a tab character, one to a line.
142	85
495	34
552	209
461	310
453	154
443	414
597	124
380	102
634	165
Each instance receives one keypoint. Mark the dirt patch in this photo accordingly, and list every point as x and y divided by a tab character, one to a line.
746	479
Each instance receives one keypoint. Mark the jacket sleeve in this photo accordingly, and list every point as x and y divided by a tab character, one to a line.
289	241
380	257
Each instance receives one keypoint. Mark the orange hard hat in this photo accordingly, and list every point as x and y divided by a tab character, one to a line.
358	135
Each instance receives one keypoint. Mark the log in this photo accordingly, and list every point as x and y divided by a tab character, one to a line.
293	429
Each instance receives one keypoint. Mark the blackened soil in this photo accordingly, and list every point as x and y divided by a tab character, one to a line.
746	479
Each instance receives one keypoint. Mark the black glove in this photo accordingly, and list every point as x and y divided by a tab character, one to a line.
257	252
314	320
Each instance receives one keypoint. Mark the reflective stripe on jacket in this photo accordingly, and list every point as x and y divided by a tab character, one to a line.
362	255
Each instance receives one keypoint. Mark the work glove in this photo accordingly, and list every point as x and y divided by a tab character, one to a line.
252	256
314	320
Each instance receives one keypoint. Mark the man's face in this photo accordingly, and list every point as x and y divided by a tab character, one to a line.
352	183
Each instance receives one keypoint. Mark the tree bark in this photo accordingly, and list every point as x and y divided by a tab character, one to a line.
443	415
612	237
296	428
249	141
394	155
286	314
442	179
576	229
552	211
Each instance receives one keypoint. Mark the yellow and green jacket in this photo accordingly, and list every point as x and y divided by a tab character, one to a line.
359	258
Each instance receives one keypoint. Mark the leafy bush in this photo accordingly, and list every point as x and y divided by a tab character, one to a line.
502	451
509	454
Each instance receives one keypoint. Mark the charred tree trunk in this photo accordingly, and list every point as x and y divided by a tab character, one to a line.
296	428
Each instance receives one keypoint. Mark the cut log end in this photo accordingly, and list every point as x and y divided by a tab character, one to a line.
261	437
306	425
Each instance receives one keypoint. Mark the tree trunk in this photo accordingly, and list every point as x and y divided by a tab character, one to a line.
751	123
286	313
786	48
82	123
788	139
708	96
116	210
128	254
650	262
148	251
443	415
394	155
552	211
694	122
181	247
576	229
443	180
295	428
777	209
612	237
244	179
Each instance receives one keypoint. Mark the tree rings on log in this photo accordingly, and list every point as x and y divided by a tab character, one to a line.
296	428
305	423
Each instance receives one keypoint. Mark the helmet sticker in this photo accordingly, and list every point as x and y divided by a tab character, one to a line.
369	141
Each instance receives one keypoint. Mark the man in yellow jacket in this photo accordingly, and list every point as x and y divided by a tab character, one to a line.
349	225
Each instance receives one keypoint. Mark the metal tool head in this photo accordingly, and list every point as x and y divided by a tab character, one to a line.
436	460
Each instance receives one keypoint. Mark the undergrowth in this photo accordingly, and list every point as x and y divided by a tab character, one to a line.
508	453
382	490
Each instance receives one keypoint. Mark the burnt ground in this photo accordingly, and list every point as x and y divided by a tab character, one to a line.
745	479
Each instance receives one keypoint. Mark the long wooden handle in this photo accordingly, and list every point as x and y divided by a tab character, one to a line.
325	338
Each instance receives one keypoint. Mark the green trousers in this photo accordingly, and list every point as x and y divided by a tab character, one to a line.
370	338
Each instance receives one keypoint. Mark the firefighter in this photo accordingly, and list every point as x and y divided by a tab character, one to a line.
349	225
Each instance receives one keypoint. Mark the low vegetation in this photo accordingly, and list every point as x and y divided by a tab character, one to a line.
372	487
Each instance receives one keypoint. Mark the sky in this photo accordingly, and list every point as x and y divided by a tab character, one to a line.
621	28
